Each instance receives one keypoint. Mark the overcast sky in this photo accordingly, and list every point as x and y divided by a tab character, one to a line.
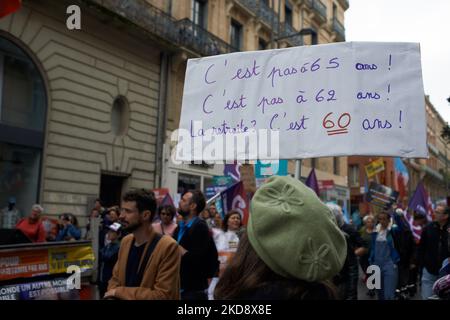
426	22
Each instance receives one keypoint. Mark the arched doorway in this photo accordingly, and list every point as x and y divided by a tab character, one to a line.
23	105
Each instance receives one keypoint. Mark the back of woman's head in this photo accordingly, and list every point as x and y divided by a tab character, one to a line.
294	232
248	277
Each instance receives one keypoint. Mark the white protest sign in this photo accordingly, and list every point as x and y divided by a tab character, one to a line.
354	98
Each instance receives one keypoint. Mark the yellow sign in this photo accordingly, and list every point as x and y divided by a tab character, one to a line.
61	258
374	167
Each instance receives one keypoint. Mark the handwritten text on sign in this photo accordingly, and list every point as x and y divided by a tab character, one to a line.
354	98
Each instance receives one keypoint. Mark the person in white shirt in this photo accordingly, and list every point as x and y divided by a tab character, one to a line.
227	240
9	215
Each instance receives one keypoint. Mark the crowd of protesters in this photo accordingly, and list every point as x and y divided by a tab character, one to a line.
293	247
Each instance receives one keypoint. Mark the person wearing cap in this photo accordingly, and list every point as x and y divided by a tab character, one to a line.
32	226
291	250
383	253
433	249
9	215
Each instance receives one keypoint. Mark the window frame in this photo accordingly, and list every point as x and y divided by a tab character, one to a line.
201	14
288	6
354	183
13	134
2	61
235	23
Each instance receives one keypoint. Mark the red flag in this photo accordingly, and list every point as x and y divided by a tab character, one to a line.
9	6
235	198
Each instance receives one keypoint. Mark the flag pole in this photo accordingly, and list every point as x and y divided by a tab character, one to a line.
298	169
213	198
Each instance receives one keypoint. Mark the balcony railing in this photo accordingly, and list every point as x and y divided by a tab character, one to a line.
200	40
144	15
433	149
291	35
162	25
320	8
262	11
435	174
339	28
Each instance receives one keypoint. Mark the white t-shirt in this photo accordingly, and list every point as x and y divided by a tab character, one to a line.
9	218
226	242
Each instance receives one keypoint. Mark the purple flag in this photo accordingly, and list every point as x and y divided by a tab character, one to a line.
312	182
419	201
232	170
235	198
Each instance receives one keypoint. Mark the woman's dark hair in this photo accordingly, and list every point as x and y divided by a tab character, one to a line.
70	217
247	276
114	208
227	217
169	209
65	216
145	200
74	219
387	213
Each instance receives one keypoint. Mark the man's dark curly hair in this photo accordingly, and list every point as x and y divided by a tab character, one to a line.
145	200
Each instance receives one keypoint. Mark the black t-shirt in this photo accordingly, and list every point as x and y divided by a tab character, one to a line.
134	257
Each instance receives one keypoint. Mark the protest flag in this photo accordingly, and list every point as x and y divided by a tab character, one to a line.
9	6
312	182
235	198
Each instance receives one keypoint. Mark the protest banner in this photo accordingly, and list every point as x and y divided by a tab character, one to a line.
63	257
23	264
374	167
276	167
220	183
51	289
353	98
381	196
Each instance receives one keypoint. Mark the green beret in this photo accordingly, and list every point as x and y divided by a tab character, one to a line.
294	232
